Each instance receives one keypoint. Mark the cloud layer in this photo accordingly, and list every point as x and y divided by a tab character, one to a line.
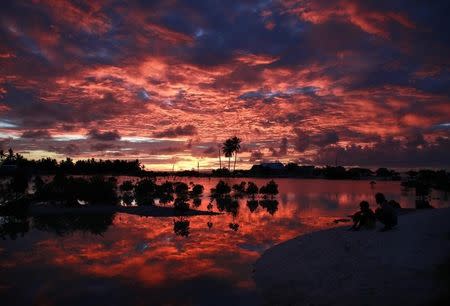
166	82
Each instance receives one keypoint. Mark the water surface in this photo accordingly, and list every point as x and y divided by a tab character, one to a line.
203	260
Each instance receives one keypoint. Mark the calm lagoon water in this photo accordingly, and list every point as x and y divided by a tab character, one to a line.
130	260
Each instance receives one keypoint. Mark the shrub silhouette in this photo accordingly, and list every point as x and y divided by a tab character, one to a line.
144	192
101	191
197	190
252	205
270	205
166	198
127	189
239	188
126	186
165	188
181	203
270	189
221	189
228	204
181	227
181	189
252	189
19	183
197	202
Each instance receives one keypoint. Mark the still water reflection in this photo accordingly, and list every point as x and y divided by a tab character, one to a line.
203	260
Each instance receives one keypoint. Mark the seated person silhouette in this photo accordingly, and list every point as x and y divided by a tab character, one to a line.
385	213
364	218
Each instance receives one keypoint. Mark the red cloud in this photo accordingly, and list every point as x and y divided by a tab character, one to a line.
352	11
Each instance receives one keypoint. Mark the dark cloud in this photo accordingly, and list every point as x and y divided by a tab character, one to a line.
38	134
103	136
305	140
185	130
71	149
256	156
389	153
283	149
210	150
102	146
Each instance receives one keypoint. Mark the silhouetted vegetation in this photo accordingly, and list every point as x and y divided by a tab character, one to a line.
181	189
239	189
424	180
196	202
234	226
181	227
270	189
13	161
13	227
252	205
127	190
68	224
228	204
197	190
221	189
68	191
270	205
165	192
252	189
181	203
144	192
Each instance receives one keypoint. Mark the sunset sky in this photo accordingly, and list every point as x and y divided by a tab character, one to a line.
167	81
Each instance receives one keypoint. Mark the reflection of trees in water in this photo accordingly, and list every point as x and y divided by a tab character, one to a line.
252	205
197	202
270	205
234	226
181	227
166	198
67	224
12	226
228	204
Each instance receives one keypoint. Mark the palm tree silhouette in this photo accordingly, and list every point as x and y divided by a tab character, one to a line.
228	150
231	146
10	153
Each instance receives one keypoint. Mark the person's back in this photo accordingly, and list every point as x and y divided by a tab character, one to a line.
365	217
369	216
386	214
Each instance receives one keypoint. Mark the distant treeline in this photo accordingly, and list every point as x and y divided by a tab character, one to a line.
424	180
328	172
15	162
290	170
11	163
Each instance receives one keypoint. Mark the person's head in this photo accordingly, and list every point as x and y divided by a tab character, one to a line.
380	198
364	205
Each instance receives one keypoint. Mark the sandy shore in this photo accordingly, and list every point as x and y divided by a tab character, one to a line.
148	211
340	267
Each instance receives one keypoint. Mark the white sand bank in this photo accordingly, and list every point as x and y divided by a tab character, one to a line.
340	267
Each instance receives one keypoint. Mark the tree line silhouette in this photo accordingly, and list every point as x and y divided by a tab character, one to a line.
14	161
